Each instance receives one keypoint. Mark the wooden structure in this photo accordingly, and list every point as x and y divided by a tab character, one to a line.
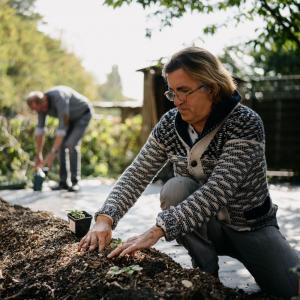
124	109
277	101
155	103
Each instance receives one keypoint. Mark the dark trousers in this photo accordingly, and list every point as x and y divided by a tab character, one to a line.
264	252
70	149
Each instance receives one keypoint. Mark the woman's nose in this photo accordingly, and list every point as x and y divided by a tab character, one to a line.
178	100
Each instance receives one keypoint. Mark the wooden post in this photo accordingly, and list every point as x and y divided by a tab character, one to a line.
149	112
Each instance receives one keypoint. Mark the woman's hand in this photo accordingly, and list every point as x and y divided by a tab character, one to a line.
145	240
99	236
49	159
39	161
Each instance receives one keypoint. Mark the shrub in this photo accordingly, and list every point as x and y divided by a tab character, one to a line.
108	146
14	161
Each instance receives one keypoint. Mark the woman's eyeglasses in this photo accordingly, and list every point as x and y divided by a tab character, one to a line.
171	95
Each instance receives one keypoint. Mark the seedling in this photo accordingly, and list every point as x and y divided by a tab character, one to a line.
115	243
79	222
115	270
76	214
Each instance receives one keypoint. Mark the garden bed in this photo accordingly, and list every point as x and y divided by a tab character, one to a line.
39	260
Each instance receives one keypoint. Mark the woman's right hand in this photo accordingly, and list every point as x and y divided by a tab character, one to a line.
39	161
99	236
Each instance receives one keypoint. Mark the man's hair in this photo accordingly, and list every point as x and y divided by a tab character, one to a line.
202	65
35	96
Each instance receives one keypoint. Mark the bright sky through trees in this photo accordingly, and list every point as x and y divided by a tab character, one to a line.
102	37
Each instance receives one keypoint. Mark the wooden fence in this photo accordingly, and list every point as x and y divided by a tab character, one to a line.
277	101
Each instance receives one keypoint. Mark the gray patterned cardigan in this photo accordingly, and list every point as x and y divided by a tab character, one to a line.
234	169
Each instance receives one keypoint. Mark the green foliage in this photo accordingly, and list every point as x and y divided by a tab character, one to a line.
115	270
112	88
108	147
115	243
24	8
23	128
281	17
14	161
281	60
276	48
29	60
247	62
76	214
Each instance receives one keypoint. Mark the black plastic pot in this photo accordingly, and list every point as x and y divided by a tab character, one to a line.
80	226
38	178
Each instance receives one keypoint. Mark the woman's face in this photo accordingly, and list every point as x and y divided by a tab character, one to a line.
193	99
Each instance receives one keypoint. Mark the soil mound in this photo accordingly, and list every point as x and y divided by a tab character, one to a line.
39	260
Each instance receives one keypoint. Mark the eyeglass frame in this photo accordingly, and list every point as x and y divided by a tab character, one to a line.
185	94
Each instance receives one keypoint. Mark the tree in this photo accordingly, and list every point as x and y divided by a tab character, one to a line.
281	17
280	31
30	60
24	8
112	88
276	58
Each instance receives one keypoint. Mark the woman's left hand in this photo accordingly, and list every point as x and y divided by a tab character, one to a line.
49	159
145	240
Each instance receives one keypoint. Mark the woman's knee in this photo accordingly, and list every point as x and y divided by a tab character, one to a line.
176	190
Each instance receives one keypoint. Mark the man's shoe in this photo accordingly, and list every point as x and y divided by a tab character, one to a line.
60	186
74	188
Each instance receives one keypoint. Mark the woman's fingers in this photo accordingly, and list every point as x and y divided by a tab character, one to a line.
84	243
145	240
103	240
117	251
98	237
132	239
129	250
93	243
81	243
129	247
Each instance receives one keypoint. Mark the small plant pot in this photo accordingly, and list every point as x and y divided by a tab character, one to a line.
39	178
80	226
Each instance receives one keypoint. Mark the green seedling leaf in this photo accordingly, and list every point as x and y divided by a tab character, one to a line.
115	270
115	243
136	268
77	214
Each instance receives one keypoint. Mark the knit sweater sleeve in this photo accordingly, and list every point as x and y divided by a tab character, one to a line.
134	180
243	149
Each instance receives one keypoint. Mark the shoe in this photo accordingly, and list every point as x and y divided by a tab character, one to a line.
60	186
74	188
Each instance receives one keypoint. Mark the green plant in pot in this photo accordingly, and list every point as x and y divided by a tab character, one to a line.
79	222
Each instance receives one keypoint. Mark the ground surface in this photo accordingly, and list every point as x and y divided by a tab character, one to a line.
39	260
142	216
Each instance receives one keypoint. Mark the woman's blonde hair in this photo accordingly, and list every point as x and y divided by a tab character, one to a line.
202	65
